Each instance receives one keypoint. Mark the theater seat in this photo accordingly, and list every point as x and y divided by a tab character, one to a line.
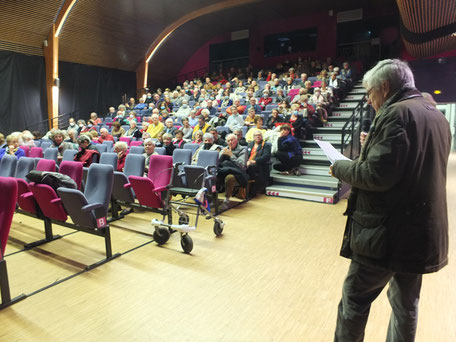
149	189
85	208
24	166
134	166
8	166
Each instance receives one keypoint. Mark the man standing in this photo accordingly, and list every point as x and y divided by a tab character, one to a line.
397	227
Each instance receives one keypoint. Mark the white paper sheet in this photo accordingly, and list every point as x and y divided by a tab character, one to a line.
331	153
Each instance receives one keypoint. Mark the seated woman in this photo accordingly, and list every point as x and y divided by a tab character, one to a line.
149	150
289	152
296	121
27	138
121	148
249	120
58	141
259	154
12	147
178	140
273	119
187	130
86	151
208	145
198	137
168	144
117	130
249	137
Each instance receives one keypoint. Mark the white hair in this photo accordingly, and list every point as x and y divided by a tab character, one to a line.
394	71
121	145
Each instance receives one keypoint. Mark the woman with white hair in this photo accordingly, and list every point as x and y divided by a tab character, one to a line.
121	148
134	131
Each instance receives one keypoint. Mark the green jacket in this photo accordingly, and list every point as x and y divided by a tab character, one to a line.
397	210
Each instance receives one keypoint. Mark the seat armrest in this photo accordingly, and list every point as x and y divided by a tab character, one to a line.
127	186
92	206
27	194
161	188
56	200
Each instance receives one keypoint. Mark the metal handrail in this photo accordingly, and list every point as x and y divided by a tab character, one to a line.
348	130
62	122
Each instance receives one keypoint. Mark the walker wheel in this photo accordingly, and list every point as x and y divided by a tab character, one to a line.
184	219
186	243
161	235
218	229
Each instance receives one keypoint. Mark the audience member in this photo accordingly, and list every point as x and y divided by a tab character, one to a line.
117	130
121	148
87	151
289	152
259	156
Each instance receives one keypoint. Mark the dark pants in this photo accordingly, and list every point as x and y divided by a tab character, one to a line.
361	287
286	163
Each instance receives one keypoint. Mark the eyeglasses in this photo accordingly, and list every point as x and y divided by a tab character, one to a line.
369	92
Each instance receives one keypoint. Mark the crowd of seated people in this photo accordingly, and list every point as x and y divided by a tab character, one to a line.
247	119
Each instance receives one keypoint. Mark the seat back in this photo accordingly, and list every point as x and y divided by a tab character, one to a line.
8	166
292	93
51	153
69	155
45	145
125	139
72	169
101	148
195	176
182	156
26	149
36	152
134	165
99	184
24	166
45	165
207	158
25	198
136	143
109	158
8	189
192	147
108	143
160	170
136	149
160	150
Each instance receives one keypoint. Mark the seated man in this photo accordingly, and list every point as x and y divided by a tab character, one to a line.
234	120
217	140
202	126
208	144
253	104
121	148
265	100
105	136
289	152
86	151
232	168
237	103
212	110
184	110
240	138
259	154
149	149
169	127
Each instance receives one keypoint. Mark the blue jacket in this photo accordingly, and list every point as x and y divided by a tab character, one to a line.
19	153
291	145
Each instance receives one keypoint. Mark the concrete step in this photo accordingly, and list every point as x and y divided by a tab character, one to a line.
334	124
312	151
313	144
314	170
331	137
357	90
329	129
354	97
324	182
315	195
345	104
338	115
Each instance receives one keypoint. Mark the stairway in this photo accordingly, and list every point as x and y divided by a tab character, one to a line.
315	183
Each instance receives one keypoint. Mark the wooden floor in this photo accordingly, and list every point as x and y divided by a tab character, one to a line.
275	275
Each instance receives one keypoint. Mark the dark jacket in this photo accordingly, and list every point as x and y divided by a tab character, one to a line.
397	210
290	145
263	153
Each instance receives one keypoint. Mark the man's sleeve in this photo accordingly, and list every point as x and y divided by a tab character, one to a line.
385	162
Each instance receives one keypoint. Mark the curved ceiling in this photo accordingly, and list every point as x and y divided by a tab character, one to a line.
118	33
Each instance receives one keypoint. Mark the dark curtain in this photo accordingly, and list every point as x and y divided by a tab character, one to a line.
85	89
22	91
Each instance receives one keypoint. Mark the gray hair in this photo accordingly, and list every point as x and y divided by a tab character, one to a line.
231	136
84	138
167	135
208	136
104	130
394	71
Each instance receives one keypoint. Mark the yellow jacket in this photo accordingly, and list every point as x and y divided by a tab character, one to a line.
153	130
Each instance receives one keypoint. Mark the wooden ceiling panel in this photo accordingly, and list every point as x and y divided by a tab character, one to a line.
25	24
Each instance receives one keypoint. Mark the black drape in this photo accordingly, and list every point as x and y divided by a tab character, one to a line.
22	91
85	89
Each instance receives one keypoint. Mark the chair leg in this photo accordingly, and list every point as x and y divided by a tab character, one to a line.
4	288
47	233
